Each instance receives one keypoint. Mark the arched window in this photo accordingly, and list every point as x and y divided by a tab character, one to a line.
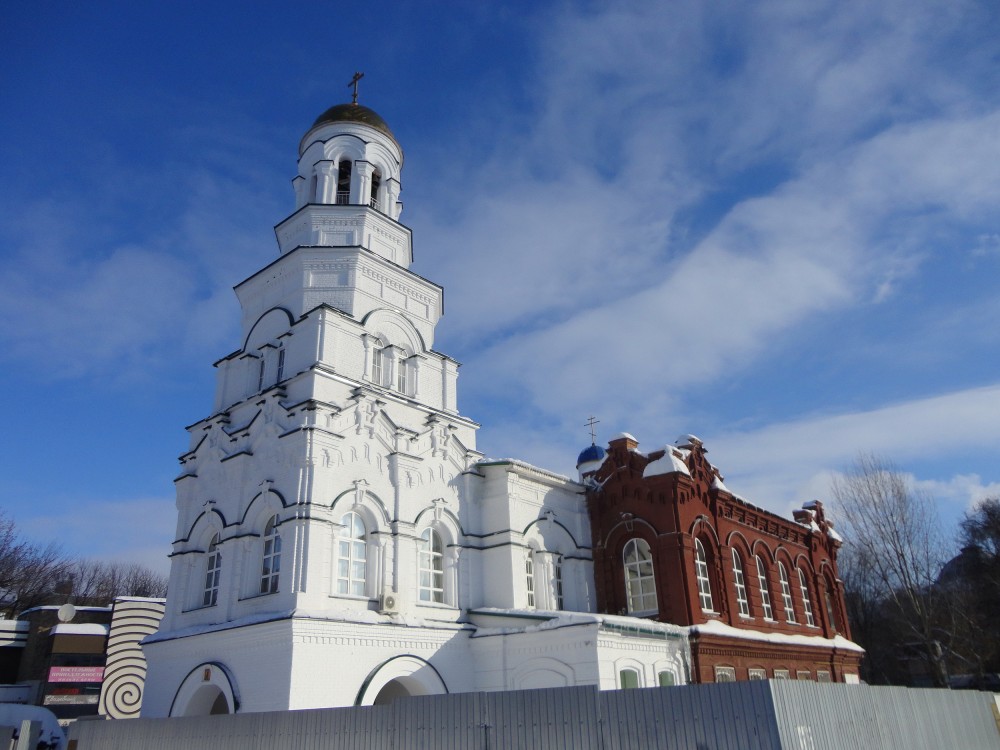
628	679
640	582
701	572
344	182
786	594
430	566
213	570
741	586
529	578
376	183
352	556
270	565
765	593
807	606
831	612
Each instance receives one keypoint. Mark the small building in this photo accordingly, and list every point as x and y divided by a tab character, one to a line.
759	594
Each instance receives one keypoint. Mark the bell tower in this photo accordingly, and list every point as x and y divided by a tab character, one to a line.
335	456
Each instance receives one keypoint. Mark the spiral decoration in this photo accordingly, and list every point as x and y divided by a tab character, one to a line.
125	669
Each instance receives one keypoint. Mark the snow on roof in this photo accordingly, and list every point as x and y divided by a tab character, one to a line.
810	504
832	533
687	440
523	465
72	628
622	435
554	619
669	463
714	627
718	484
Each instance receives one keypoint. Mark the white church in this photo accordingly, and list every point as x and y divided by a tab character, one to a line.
340	541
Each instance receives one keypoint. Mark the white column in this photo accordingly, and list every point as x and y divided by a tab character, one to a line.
361	182
326	182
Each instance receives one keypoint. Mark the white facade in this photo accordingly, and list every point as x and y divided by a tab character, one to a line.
339	539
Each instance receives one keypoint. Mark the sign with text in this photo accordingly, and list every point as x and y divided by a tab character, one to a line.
70	700
76	674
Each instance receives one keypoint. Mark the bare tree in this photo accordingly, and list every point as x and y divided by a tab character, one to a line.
896	546
27	570
100	582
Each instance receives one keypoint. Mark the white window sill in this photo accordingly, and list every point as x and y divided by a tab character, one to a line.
352	597
252	597
436	605
199	608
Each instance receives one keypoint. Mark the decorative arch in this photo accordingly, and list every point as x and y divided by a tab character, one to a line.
628	528
412	674
543	672
268	327
699	526
550	540
207	689
199	530
364	502
443	518
394	328
738	539
761	548
263	505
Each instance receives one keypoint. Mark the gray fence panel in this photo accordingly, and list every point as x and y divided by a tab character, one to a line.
550	718
779	715
723	717
811	716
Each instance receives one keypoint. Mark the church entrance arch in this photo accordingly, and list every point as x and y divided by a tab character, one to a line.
206	691
400	677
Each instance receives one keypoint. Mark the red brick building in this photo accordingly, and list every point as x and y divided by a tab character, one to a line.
760	592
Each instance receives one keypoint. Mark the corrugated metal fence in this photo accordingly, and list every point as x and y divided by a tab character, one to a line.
780	715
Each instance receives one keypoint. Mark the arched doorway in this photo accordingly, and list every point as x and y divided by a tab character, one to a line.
208	690
400	677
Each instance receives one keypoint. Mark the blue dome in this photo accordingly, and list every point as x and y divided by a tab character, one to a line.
593	453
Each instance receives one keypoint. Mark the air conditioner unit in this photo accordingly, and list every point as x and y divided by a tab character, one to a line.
388	603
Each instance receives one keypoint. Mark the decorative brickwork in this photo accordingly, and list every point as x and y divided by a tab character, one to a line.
765	588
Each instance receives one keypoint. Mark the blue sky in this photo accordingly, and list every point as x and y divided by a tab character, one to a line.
774	225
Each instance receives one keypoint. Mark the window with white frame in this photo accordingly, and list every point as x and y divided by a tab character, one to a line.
725	674
352	556
213	571
701	572
781	674
755	673
823	676
666	678
281	365
402	375
786	593
806	602
430	567
640	582
741	586
260	374
529	578
765	594
270	564
628	679
378	362
803	674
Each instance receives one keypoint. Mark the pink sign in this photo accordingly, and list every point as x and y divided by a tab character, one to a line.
76	674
